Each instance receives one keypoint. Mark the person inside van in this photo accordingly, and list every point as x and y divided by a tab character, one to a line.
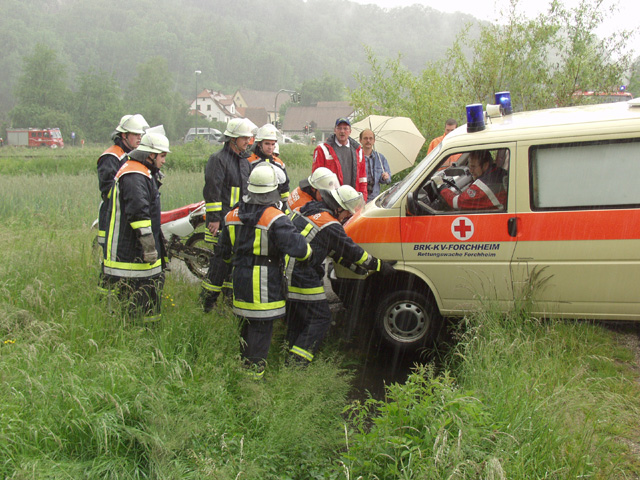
487	191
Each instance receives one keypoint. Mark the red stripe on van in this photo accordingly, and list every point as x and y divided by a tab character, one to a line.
535	226
437	229
374	230
579	225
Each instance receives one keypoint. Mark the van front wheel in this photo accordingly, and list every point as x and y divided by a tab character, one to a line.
407	319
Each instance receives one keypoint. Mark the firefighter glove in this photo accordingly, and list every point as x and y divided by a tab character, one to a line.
149	252
385	268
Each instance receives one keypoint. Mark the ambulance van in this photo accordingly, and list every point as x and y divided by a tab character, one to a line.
550	197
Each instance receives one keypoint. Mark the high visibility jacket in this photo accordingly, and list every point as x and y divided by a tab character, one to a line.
327	238
133	210
435	142
225	182
299	197
488	191
258	156
325	156
108	165
255	239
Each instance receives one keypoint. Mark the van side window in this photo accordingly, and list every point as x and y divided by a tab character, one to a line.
472	181
584	176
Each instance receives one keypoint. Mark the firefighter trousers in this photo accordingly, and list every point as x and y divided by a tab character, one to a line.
141	298
307	326
255	340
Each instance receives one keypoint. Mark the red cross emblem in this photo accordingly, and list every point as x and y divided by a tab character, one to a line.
462	228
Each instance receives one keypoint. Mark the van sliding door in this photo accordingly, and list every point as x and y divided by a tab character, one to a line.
578	228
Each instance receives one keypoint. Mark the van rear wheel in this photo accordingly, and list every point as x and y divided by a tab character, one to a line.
407	319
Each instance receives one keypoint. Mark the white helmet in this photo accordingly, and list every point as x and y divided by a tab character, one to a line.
263	179
154	141
132	124
348	198
240	127
276	150
323	179
267	132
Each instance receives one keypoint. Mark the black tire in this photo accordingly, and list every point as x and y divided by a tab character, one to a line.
407	320
198	267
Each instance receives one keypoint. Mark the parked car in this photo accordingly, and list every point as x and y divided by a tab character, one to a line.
211	135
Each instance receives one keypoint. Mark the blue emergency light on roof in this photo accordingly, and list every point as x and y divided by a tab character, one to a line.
475	118
504	100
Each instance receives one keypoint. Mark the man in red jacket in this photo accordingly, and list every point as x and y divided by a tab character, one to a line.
488	191
343	156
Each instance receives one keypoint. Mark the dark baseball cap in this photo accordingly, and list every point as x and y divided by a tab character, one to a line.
343	120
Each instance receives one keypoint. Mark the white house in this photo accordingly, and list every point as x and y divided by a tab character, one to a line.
215	105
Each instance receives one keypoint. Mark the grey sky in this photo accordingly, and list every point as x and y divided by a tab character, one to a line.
626	17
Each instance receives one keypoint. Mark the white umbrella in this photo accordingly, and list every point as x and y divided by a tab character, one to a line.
397	138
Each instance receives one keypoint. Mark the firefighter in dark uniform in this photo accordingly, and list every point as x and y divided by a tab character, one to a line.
263	151
256	237
125	138
225	182
309	188
134	249
308	316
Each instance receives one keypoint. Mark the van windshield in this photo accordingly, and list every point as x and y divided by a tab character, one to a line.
398	190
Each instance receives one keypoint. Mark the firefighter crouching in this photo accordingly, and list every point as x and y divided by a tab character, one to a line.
309	188
308	315
225	182
255	239
134	249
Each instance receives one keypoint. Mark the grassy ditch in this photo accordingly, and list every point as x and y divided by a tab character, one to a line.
85	396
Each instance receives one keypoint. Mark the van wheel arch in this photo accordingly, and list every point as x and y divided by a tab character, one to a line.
406	316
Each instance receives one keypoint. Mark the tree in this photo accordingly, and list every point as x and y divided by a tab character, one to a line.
391	89
154	95
634	78
42	92
98	106
41	117
542	62
326	88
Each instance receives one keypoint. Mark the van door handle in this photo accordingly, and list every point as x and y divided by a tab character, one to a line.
512	226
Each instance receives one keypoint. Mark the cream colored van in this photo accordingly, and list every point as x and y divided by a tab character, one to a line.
560	196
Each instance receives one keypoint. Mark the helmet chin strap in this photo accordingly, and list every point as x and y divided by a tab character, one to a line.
149	161
236	148
123	137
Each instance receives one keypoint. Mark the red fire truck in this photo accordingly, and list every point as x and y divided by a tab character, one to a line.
35	137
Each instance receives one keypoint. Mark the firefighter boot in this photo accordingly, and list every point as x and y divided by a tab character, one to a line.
208	300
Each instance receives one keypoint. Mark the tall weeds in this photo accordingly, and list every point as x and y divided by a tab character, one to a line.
518	397
84	394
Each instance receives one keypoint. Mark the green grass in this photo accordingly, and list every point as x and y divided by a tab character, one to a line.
190	157
518	398
83	395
